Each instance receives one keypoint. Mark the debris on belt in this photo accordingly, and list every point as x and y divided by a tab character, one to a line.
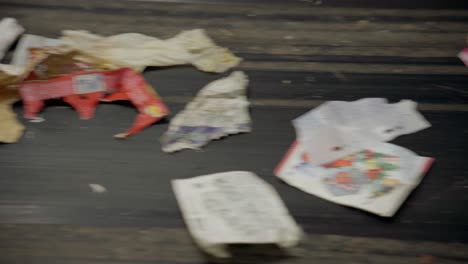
9	31
334	129
234	207
97	188
138	51
463	55
84	90
219	109
10	128
84	69
22	54
340	154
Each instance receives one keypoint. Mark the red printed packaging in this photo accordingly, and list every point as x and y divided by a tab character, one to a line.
84	90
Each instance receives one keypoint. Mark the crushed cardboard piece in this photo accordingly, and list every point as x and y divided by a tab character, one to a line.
83	91
138	51
219	109
377	179
9	31
234	207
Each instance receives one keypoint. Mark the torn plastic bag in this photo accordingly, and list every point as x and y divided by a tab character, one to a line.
9	31
234	207
84	90
138	51
218	110
376	179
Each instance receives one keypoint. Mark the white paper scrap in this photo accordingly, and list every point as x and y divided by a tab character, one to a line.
376	179
97	188
218	110
27	42
234	207
9	31
337	128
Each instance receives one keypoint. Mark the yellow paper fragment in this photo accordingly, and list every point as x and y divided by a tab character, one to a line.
10	129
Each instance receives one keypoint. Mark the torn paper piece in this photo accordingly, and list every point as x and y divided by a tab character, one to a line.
218	110
10	128
138	51
84	90
9	31
377	179
336	128
326	143
11	69
47	63
37	119
21	56
370	116
463	55
97	188
234	207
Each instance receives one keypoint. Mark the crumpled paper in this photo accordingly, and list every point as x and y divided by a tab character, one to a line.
376	179
50	62
138	51
10	128
22	56
337	128
9	31
234	207
218	110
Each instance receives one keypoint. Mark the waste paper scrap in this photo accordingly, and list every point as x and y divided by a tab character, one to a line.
340	154
218	110
84	69
235	207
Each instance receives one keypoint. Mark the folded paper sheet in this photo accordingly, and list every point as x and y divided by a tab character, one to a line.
234	207
138	51
9	31
218	110
377	179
